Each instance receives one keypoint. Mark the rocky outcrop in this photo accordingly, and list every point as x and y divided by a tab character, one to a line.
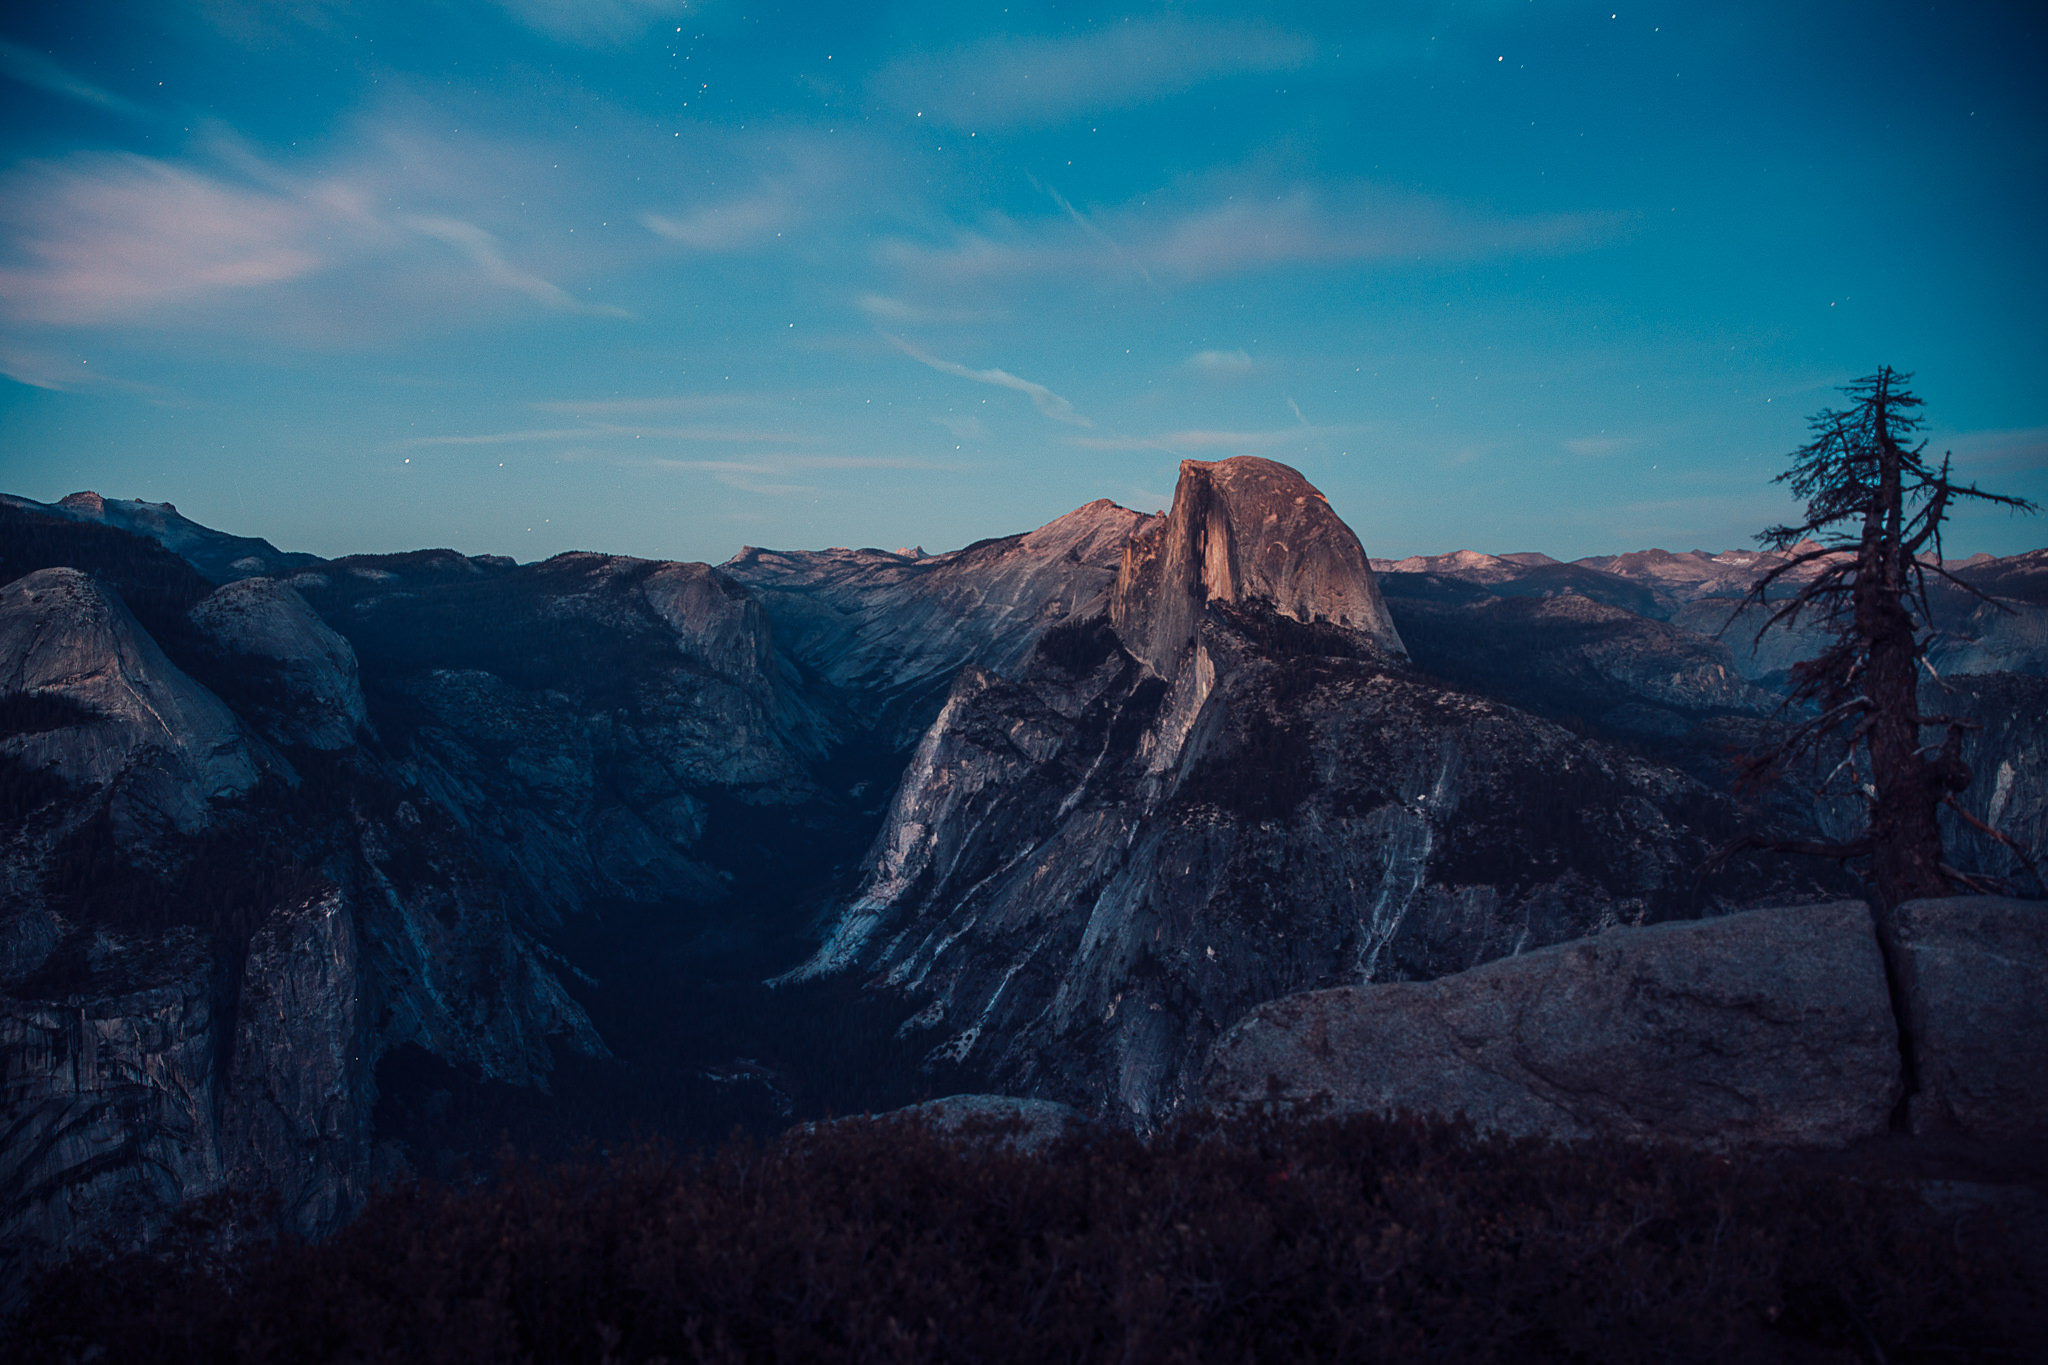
2007	753
1020	1125
111	1096
1088	870
1244	531
579	718
260	623
139	1072
116	714
301	1087
1771	1027
886	633
1972	971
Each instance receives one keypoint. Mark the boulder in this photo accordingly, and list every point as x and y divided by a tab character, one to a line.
1973	976
1768	1027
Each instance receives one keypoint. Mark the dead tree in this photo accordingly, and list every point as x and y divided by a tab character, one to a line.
1858	565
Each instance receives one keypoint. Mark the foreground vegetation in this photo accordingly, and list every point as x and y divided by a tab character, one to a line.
1251	1239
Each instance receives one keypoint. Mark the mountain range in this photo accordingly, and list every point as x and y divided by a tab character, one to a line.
319	870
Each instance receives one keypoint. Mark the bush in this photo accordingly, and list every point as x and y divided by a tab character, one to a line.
1246	1239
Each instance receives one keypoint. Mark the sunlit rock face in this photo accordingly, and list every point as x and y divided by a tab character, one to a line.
885	633
1243	532
121	716
1092	866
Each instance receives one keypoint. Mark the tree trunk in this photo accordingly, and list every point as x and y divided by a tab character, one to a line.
1905	828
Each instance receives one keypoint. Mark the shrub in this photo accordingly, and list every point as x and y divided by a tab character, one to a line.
1217	1240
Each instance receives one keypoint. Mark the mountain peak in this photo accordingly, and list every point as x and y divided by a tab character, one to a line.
1243	530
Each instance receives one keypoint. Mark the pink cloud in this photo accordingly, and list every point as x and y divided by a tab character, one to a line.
109	237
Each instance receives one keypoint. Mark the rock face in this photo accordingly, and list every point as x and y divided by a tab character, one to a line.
1972	971
1568	654
119	715
577	718
111	1097
1243	532
300	1090
262	623
1090	869
886	633
1771	1027
2008	758
1023	1125
288	860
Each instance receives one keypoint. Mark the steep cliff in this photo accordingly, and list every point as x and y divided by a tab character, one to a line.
1243	532
204	946
1093	866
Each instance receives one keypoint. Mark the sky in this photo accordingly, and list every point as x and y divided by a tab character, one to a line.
666	279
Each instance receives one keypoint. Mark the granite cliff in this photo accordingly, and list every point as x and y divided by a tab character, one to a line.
1227	787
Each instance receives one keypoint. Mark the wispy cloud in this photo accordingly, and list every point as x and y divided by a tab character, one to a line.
34	69
1246	228
1596	447
963	428
1042	398
728	226
41	368
361	236
796	179
882	308
106	237
2001	452
1088	226
604	431
1011	80
1223	364
594	23
772	476
489	255
667	403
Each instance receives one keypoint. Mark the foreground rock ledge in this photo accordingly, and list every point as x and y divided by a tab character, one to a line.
1973	972
1766	1028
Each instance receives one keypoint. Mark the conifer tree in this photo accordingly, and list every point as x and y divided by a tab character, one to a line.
1857	565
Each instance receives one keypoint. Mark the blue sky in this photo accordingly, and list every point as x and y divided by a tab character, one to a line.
658	278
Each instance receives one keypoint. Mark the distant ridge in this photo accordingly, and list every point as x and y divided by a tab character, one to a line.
220	556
